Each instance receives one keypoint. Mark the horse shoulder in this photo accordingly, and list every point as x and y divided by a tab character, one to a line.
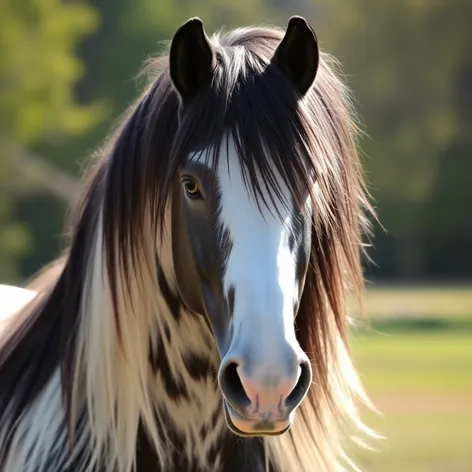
12	299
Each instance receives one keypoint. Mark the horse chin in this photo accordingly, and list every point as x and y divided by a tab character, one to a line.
247	427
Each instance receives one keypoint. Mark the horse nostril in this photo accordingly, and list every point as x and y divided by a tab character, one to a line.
301	387
232	387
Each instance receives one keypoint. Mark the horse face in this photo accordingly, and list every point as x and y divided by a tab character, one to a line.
241	261
243	266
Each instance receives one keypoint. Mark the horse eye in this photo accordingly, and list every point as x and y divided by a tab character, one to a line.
191	188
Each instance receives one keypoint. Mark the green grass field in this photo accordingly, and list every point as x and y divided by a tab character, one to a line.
417	368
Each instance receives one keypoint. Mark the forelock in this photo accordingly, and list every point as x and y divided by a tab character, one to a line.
251	102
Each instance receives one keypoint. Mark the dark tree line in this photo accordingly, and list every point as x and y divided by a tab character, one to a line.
68	71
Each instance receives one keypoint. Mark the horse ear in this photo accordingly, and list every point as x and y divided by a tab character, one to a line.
297	55
191	59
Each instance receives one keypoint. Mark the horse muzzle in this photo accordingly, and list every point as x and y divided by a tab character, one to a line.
261	397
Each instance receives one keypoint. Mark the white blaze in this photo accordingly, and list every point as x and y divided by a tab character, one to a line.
261	266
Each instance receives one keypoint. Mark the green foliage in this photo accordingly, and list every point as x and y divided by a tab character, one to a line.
38	71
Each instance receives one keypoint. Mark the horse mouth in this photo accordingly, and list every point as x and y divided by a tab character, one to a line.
248	427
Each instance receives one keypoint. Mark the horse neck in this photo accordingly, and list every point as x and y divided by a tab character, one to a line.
184	361
228	454
184	388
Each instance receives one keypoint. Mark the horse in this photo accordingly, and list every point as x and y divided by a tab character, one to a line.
198	318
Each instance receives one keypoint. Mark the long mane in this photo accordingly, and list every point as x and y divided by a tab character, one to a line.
87	337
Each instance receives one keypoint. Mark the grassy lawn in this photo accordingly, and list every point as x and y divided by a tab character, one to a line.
418	371
430	301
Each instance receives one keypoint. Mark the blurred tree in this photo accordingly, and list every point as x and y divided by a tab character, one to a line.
406	61
38	70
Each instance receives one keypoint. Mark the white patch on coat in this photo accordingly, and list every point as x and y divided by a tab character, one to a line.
12	299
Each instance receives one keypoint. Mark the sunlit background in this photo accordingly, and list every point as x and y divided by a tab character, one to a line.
67	71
